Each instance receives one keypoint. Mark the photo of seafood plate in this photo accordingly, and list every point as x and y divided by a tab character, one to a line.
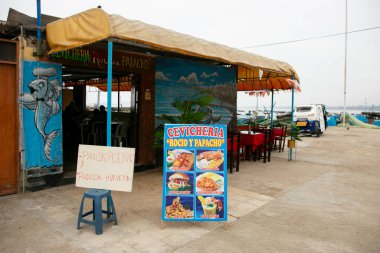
210	182
177	210
209	159
180	159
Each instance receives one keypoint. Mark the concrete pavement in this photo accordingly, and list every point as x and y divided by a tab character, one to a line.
326	201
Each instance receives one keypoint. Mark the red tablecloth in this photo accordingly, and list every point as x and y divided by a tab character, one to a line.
253	139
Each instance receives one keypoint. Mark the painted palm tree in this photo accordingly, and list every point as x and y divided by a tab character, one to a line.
194	111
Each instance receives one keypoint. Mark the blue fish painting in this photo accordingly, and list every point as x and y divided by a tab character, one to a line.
43	100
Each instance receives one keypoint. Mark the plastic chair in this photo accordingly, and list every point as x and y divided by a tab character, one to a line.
265	149
280	139
97	195
95	134
120	135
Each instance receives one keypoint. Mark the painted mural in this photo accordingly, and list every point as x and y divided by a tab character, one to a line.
42	113
191	92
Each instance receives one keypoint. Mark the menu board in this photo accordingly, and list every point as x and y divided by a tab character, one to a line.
194	173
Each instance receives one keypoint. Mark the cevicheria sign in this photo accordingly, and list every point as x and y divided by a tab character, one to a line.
98	59
195	173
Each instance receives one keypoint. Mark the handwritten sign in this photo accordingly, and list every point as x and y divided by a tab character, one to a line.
195	173
109	168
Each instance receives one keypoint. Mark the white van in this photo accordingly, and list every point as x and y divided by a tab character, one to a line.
310	118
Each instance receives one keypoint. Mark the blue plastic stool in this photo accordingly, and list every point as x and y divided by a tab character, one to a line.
97	195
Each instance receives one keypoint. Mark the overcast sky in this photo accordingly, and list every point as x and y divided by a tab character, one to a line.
245	23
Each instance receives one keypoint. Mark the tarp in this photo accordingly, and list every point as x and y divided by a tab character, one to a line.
95	24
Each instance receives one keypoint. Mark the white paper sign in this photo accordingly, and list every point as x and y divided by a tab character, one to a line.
109	168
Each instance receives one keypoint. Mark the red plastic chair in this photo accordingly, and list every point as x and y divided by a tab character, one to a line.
280	139
264	151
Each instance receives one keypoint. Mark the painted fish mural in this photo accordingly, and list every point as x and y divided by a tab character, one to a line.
42	99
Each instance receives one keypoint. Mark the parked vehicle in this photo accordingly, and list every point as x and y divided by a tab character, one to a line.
311	119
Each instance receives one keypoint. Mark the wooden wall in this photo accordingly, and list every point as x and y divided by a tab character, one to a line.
146	117
9	127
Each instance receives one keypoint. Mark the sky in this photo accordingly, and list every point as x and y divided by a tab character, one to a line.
244	24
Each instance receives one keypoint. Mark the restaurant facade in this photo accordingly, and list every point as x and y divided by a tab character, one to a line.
160	69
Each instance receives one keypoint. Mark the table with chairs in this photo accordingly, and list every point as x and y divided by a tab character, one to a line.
255	142
95	133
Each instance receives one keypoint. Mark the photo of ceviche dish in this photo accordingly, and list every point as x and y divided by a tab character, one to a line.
210	159
180	159
178	210
179	182
210	183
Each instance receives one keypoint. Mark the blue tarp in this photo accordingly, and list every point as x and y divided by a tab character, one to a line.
361	118
331	121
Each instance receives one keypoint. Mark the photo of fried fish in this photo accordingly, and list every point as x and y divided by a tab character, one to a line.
183	160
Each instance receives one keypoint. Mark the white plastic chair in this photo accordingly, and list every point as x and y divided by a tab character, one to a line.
120	136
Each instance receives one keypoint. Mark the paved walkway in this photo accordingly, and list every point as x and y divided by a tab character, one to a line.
326	201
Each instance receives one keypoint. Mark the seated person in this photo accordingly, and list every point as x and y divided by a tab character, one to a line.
97	116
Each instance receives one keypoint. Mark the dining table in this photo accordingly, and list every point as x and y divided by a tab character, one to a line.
251	141
276	131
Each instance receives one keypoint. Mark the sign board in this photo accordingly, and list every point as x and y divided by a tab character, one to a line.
109	168
97	59
195	173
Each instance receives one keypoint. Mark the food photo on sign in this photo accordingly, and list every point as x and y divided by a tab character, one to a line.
180	159
209	183
179	207
179	183
210	160
210	207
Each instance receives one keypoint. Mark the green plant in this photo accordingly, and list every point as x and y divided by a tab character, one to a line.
294	132
189	113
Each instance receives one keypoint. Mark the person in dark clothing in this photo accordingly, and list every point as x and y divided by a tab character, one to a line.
102	110
69	117
97	116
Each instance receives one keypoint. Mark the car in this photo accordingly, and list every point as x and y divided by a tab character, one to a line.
311	119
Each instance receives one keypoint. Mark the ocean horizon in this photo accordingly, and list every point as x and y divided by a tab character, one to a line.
332	109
